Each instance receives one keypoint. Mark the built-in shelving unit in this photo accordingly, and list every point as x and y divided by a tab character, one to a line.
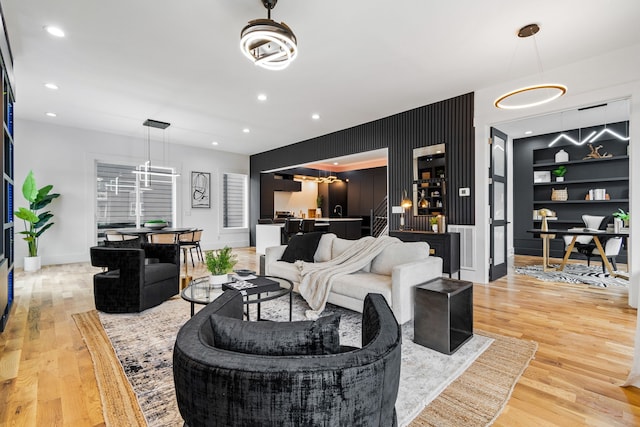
535	156
431	181
6	189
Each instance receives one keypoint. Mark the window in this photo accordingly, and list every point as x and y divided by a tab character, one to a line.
234	200
119	191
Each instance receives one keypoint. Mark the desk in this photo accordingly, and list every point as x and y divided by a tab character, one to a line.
596	234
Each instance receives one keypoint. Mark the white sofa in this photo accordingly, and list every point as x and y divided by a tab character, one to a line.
394	273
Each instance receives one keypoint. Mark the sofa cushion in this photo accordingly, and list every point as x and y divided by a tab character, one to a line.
301	247
285	270
358	285
277	338
323	253
159	271
399	253
340	246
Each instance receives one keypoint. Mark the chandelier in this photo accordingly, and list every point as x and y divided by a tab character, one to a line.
534	95
269	44
146	170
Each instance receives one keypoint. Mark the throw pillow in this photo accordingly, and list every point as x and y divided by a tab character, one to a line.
323	253
301	247
277	338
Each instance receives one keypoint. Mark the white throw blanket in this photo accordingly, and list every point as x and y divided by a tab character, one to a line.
317	278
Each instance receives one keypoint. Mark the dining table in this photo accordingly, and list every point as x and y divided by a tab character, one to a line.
597	235
144	231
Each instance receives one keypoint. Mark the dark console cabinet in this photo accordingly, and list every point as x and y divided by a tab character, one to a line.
443	245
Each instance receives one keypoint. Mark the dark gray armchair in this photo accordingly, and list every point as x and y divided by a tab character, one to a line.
353	387
135	279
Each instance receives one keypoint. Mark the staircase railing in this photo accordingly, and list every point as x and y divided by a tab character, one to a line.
379	221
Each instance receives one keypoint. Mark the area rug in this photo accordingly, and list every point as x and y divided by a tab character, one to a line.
574	273
139	375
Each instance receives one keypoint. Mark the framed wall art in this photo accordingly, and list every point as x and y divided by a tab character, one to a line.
200	189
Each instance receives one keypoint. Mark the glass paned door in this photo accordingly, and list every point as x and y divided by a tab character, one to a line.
498	200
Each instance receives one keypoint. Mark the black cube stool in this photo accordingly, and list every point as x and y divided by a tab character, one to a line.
443	314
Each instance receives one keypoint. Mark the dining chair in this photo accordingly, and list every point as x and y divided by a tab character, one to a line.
115	235
189	241
162	237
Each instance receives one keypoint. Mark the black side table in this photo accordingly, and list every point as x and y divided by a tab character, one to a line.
443	314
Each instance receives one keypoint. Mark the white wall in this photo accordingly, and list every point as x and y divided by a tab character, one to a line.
66	157
609	77
294	201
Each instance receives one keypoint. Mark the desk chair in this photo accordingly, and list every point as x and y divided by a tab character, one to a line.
585	246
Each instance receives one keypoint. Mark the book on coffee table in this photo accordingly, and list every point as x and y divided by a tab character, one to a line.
253	286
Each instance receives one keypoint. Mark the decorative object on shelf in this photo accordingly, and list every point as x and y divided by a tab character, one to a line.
559	172
534	95
156	224
220	263
405	204
200	189
35	222
559	194
267	43
594	153
562	156
623	216
423	203
441	223
541	176
434	223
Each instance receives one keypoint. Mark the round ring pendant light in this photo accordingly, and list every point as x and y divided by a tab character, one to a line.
267	43
534	95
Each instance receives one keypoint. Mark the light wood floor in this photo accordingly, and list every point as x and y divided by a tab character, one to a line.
585	338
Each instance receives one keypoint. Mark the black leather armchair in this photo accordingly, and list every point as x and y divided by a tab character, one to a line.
136	279
354	387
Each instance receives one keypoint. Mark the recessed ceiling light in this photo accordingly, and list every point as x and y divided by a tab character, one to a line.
214	143
54	31
336	163
51	114
262	97
315	116
246	130
51	86
529	132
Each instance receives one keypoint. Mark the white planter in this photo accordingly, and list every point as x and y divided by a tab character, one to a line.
559	178
217	280
434	227
32	263
318	212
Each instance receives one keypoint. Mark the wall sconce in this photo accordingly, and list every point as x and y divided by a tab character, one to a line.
406	203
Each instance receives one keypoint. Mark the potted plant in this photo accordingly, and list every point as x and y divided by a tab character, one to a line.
220	263
35	222
434	223
559	172
622	215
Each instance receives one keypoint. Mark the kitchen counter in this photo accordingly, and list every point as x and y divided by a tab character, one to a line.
268	235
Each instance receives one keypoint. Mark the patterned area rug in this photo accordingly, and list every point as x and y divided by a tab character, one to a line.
574	273
143	344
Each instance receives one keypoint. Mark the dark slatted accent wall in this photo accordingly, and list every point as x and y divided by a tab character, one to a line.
449	121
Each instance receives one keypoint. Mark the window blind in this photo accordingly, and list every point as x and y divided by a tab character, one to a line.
234	194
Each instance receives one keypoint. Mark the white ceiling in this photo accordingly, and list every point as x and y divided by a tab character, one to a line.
124	61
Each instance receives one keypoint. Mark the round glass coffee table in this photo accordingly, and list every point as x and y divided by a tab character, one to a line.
200	291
